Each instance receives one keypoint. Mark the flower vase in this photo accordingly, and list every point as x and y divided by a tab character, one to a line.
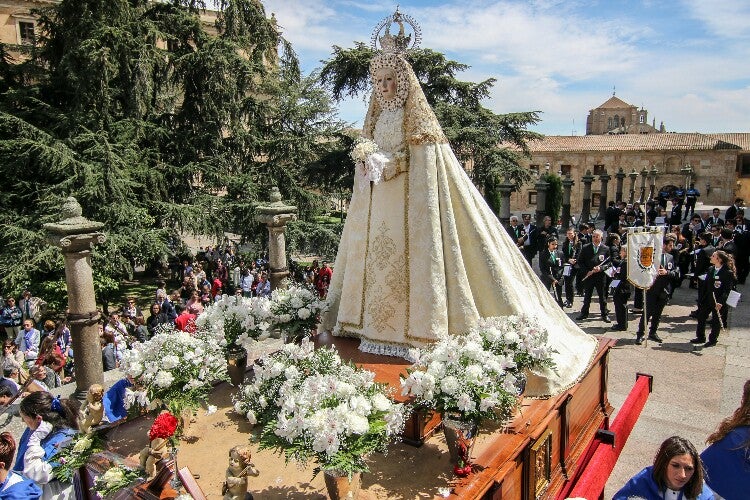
236	364
340	487
459	436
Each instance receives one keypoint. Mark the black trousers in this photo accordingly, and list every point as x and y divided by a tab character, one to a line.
569	286
594	281
704	311
620	300
654	307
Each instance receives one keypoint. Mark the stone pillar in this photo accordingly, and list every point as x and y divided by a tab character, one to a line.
644	174
586	208
541	201
275	216
652	189
76	236
505	189
620	175
632	176
604	178
567	183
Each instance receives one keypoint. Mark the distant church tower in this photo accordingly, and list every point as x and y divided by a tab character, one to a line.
615	116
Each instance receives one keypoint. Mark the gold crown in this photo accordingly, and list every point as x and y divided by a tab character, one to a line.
401	42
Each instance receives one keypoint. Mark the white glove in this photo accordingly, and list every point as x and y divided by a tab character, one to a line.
40	433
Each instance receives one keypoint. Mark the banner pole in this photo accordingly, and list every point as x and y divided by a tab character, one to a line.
645	316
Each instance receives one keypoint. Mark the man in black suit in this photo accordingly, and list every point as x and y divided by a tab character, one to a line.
551	262
658	295
593	260
714	220
611	217
732	210
529	244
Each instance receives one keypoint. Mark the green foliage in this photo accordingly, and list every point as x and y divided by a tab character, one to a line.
479	137
313	239
158	127
554	196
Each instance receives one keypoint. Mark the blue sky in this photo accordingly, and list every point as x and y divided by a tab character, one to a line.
685	61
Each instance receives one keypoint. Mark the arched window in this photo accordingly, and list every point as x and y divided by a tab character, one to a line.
609	124
642	119
617	121
622	121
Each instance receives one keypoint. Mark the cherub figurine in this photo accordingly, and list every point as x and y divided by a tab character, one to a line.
240	467
92	412
151	454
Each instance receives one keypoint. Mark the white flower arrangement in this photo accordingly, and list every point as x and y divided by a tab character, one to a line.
367	153
478	375
238	320
296	309
174	368
115	479
312	406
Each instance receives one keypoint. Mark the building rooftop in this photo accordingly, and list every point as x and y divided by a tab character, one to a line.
642	142
614	103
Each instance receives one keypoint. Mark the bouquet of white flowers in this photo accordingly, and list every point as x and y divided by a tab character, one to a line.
238	320
478	375
315	407
296	310
367	153
175	368
115	479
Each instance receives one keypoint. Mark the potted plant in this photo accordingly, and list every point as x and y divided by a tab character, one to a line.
240	321
296	310
174	369
474	377
315	408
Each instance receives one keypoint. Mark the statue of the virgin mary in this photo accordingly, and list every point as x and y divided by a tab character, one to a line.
421	253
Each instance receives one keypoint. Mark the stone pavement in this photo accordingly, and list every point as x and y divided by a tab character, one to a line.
693	389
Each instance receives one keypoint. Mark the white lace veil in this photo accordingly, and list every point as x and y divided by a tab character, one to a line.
420	124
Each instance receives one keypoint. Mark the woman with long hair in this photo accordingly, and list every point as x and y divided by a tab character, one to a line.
50	423
714	291
727	459
677	473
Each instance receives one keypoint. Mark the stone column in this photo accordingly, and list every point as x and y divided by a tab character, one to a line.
586	208
275	216
604	178
505	189
76	236
620	175
644	174
652	190
567	183
632	176
541	201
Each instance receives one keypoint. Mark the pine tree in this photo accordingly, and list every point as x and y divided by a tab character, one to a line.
158	124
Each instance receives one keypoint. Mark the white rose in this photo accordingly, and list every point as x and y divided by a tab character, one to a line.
380	402
465	403
304	313
450	385
163	379
170	361
251	417
113	477
82	445
357	423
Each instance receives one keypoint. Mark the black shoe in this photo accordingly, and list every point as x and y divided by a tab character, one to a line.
698	340
636	311
638	340
581	317
606	319
693	314
655	338
620	328
709	344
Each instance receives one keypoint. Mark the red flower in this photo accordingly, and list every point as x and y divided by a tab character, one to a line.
164	426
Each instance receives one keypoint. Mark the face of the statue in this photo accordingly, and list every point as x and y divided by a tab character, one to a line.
385	83
235	462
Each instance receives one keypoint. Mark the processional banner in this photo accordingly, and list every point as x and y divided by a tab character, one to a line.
644	255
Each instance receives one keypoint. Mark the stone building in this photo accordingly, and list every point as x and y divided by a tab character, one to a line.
615	116
718	164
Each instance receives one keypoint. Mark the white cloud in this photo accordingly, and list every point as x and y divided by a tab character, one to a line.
723	18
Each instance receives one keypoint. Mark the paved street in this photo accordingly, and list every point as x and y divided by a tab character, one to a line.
694	389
